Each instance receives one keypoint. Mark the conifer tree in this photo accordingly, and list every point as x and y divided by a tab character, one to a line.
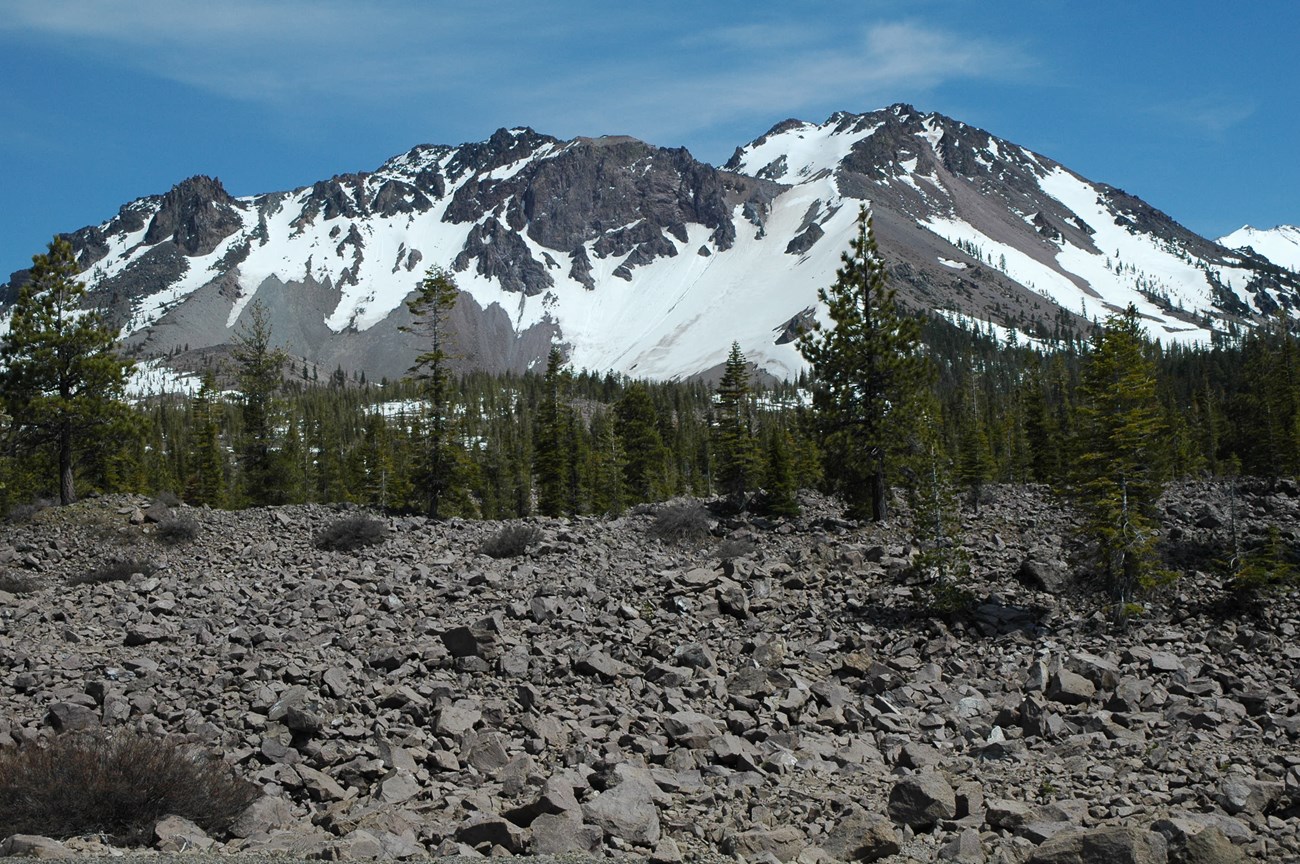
259	367
1119	469
975	463
62	383
607	492
864	370
737	454
431	308
646	472
206	483
781	486
552	440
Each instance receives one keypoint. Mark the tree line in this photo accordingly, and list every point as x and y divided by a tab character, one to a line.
891	403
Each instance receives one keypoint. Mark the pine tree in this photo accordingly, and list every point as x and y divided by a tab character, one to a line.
737	455
975	463
552	451
259	368
782	486
62	383
646	466
1119	470
865	370
206	483
431	308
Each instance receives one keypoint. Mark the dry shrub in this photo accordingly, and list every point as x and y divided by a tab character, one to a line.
118	785
119	570
19	583
177	530
687	522
351	534
731	549
511	541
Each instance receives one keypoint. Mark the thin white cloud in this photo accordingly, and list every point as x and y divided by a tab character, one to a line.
1210	114
886	63
571	72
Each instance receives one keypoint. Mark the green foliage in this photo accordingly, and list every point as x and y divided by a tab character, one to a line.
511	541
206	483
1119	468
647	474
865	371
685	522
351	534
260	368
780	496
1263	570
737	453
61	381
431	307
555	452
117	785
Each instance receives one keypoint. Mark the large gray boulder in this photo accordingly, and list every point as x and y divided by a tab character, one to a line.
922	800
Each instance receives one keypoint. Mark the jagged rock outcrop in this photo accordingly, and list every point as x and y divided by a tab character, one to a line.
968	223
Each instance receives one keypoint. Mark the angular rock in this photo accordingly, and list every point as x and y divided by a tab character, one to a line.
266	814
965	848
1069	688
783	843
627	811
558	834
691	729
861	836
922	800
176	834
32	846
1109	845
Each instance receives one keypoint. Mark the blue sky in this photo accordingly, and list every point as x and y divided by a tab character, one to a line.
1190	106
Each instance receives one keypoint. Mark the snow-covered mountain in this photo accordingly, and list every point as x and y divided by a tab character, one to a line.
645	261
1281	245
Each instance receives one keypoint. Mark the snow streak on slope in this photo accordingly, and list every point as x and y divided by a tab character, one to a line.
643	261
801	152
1281	245
1137	268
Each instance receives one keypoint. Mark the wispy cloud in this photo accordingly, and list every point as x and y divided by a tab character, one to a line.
1212	115
586	69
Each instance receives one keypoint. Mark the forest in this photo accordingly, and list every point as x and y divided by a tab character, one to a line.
893	400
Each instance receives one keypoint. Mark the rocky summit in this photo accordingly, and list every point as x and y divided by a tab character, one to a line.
642	260
786	690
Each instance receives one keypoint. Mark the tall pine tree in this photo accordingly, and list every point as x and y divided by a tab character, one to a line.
431	307
738	456
1119	469
865	369
62	383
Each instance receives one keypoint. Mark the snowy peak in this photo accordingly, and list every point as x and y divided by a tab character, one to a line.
642	260
1281	245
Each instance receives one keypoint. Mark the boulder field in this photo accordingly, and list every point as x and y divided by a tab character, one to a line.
785	690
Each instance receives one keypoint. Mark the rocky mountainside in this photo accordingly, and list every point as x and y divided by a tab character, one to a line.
607	692
645	261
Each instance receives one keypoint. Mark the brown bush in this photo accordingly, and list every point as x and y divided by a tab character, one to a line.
351	533
686	522
120	570
118	786
511	541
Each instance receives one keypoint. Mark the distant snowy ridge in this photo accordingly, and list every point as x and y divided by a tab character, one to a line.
1281	245
642	260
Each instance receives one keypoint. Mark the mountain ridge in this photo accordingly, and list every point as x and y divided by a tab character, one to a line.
644	261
